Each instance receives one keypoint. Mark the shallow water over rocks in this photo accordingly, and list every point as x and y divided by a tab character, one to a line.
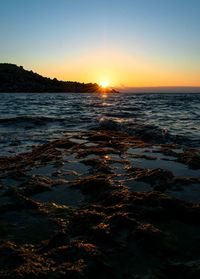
85	204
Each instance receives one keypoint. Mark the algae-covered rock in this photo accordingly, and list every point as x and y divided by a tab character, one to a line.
110	230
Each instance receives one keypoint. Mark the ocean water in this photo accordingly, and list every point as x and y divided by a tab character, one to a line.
29	119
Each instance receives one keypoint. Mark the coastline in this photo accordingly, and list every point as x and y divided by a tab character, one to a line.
15	79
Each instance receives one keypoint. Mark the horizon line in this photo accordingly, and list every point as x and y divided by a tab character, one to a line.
117	87
158	89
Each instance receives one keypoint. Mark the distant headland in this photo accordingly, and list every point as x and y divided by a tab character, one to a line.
15	78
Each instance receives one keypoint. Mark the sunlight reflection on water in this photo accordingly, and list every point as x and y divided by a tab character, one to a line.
29	119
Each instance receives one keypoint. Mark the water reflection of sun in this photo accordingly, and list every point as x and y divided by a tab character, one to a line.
104	96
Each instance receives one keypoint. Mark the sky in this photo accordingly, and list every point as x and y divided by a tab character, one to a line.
124	42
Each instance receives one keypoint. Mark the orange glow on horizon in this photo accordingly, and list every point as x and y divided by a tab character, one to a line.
123	70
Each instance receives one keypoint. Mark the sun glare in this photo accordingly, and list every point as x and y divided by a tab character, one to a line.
104	84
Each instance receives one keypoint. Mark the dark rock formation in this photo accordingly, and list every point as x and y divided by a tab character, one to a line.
16	79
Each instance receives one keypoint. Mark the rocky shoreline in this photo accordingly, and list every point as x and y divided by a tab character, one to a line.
100	204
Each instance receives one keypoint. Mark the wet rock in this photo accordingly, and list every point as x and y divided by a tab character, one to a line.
158	178
94	185
148	233
106	136
190	158
59	239
64	144
24	202
147	157
74	251
35	185
84	220
101	234
122	220
10	256
115	197
94	261
182	270
98	165
82	153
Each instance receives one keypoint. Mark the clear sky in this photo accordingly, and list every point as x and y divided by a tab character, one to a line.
125	42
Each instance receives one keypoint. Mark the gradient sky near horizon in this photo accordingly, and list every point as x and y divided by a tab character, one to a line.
125	42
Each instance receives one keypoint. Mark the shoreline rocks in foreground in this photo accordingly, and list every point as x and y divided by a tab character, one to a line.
100	204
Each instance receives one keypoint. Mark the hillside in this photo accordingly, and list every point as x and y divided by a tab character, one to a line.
16	79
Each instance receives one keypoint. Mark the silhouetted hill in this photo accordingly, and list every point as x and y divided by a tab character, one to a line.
16	79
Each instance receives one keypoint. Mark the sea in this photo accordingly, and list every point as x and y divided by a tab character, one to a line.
31	119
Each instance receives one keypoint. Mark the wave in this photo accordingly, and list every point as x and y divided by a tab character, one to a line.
34	120
145	132
152	118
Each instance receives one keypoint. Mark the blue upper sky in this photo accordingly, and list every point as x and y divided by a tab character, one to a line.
93	40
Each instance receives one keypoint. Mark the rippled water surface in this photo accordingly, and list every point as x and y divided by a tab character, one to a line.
31	119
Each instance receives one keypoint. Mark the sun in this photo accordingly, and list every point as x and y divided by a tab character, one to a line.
104	84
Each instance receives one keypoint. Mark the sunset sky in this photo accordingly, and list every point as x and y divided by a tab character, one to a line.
123	42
